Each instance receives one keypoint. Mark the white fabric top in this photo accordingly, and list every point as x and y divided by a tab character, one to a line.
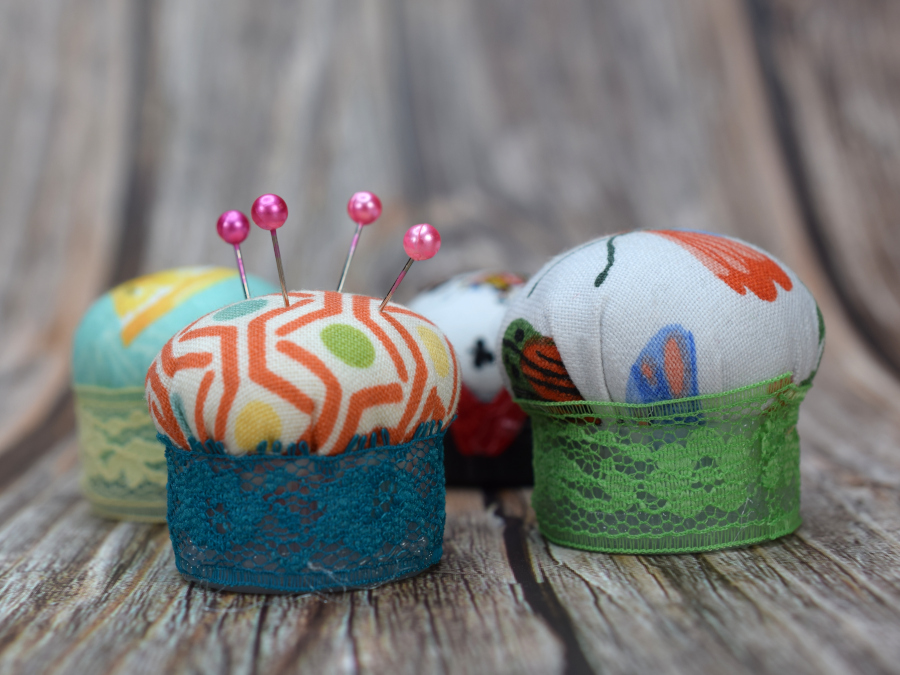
657	315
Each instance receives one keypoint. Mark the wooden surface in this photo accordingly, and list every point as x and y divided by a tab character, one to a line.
519	128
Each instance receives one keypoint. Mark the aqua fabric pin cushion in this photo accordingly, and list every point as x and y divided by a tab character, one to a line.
663	372
123	466
304	443
489	444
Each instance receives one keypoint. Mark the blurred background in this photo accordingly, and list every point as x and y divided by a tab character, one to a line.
519	128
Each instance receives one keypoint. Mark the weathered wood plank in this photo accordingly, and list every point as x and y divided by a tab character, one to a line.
82	594
519	128
64	132
831	70
822	601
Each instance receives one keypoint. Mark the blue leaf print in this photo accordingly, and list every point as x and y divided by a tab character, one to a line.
666	368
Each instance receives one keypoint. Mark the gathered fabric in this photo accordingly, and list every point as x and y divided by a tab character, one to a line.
689	475
299	522
322	372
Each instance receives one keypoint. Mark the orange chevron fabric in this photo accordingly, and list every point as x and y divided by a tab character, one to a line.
325	370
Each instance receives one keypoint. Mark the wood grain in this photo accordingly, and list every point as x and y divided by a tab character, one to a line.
519	128
64	144
830	69
108	599
81	594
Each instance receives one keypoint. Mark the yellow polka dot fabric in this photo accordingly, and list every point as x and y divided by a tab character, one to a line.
258	376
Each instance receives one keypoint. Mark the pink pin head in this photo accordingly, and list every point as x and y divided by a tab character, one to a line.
421	242
233	227
364	208
269	212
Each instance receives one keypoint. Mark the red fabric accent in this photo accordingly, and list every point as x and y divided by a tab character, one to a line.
673	364
486	429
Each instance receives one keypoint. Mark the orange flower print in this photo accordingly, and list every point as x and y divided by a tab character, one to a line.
543	367
535	368
736	264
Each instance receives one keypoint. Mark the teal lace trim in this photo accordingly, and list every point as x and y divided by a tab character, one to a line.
298	522
689	475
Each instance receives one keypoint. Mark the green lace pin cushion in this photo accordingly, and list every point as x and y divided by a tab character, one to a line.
663	372
124	467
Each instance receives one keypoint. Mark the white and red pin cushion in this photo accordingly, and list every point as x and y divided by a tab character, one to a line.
489	444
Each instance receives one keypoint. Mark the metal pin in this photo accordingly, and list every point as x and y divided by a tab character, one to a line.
280	268
403	272
363	209
420	242
269	212
353	243
240	264
233	227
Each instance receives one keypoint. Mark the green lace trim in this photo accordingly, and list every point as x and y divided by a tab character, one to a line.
689	475
124	466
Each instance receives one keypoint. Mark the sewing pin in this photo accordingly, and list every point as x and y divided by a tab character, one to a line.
233	227
363	209
269	212
420	242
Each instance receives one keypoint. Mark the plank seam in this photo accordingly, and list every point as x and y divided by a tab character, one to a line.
539	595
143	158
26	452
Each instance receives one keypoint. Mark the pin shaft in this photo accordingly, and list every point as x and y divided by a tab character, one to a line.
403	272
240	264
280	268
350	253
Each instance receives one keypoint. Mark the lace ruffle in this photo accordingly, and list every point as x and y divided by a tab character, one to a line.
689	475
298	522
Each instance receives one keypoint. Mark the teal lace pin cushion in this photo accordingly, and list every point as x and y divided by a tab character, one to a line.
305	443
123	465
663	372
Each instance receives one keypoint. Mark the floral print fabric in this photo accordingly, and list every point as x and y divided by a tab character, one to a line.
658	315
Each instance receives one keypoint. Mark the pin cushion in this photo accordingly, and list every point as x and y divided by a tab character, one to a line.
124	470
663	372
489	444
304	443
